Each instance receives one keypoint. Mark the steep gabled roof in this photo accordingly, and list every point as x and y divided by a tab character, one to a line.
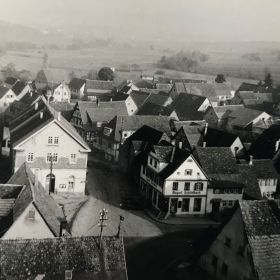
28	258
3	91
218	138
139	97
10	81
221	110
133	123
265	169
164	87
149	109
216	160
76	83
47	207
18	87
92	86
33	119
186	106
243	116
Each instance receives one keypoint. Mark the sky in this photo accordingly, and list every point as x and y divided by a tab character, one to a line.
178	20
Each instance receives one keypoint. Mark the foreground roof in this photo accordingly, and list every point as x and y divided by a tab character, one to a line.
36	194
26	259
262	227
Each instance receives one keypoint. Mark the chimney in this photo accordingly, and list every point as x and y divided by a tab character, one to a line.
36	106
251	160
59	116
41	114
31	93
205	129
204	144
277	145
62	228
172	155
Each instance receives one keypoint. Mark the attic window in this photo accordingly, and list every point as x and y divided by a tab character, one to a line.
107	131
68	274
188	172
31	214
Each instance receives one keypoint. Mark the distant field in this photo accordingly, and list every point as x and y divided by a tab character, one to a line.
81	61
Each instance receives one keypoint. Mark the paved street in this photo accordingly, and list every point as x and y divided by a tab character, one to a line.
105	189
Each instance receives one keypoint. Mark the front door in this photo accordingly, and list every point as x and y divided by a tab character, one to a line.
174	205
216	207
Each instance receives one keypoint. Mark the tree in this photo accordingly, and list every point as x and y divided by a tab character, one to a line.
220	78
268	81
106	74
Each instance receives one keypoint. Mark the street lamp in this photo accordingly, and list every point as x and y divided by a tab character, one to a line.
102	217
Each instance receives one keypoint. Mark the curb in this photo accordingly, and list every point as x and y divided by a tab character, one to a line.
179	224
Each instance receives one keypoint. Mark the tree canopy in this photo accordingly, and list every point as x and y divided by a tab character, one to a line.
220	78
106	74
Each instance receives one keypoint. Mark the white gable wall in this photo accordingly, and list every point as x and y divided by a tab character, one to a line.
38	145
131	106
24	228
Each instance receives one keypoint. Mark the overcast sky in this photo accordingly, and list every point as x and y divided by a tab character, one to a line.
194	20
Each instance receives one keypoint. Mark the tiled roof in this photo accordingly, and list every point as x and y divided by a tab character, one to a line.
93	86
257	97
149	109
251	87
144	84
218	138
10	81
3	91
76	83
227	181
186	106
221	110
139	97
262	227
163	153
133	123
30	121
176	158
26	259
216	160
158	99
18	87
50	211
252	189
264	146
164	87
61	106
265	169
243	116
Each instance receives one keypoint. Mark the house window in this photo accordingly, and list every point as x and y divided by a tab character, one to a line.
186	205
188	172
198	186
227	203
68	274
50	140
175	186
52	158
73	158
31	214
224	269
187	186
62	186
56	140
228	242
155	164
30	157
151	161
71	183
197	205
214	262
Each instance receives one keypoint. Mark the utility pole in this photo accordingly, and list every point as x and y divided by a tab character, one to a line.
51	173
102	217
119	227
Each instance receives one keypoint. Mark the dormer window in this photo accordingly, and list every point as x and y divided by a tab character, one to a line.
107	131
